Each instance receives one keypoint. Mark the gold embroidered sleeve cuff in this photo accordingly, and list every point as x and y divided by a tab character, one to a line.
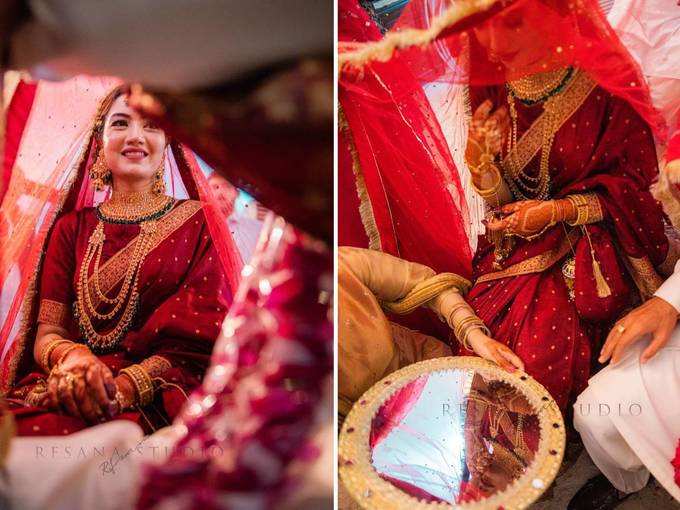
142	382
156	366
588	209
53	313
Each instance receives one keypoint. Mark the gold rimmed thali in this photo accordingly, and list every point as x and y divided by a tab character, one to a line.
454	432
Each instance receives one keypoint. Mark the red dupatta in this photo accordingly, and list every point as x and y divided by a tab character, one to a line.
405	203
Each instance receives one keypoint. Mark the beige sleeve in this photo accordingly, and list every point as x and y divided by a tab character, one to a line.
390	278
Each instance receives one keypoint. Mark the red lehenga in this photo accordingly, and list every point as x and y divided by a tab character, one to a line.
604	145
185	289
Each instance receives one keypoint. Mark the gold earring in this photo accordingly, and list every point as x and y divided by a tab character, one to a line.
158	187
99	172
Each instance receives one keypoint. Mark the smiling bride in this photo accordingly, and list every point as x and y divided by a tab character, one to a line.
131	293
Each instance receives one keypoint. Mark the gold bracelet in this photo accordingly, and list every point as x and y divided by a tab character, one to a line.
463	329
67	351
455	309
142	382
470	329
582	206
493	190
47	353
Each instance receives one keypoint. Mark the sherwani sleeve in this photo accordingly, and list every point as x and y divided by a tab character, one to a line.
669	290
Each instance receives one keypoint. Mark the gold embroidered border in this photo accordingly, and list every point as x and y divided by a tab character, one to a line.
536	264
646	279
563	107
113	270
156	365
427	290
54	313
357	54
365	207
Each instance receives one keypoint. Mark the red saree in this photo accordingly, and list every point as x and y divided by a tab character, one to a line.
184	297
602	147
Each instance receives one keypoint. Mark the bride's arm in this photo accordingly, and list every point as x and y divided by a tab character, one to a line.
50	337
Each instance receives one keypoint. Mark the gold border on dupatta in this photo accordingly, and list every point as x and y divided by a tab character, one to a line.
365	206
564	106
113	270
383	49
536	264
372	492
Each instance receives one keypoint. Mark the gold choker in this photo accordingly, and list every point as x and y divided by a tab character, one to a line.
134	207
540	86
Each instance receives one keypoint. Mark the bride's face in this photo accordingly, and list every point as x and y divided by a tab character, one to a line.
133	145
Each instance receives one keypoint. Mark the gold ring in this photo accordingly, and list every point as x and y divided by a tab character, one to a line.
620	328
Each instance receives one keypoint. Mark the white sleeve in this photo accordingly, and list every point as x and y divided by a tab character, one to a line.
670	289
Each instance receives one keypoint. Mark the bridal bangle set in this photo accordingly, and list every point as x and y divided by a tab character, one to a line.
142	382
463	327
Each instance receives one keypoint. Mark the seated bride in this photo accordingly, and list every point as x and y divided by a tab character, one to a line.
130	295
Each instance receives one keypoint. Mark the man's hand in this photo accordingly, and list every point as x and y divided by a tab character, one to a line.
656	317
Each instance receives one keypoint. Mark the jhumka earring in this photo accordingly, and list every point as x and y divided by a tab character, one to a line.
99	172
158	187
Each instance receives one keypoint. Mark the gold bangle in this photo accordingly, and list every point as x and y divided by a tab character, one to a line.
142	382
493	190
67	352
580	203
156	365
455	309
47	353
462	329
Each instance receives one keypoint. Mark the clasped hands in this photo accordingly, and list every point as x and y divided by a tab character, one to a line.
84	387
530	218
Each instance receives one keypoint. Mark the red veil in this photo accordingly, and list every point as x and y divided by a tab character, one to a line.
403	184
395	165
46	175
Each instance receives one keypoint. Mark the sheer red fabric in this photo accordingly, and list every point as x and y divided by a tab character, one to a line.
491	42
412	195
17	117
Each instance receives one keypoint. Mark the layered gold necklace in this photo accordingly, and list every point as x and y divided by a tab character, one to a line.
537	88
141	208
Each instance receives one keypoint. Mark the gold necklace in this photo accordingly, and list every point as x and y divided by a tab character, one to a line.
127	298
537	86
545	87
133	207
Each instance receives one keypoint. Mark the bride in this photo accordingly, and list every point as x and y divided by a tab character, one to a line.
131	293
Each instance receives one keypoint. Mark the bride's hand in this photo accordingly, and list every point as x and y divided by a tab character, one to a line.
83	386
488	348
526	218
487	132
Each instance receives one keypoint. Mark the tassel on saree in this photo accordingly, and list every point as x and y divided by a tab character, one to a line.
603	289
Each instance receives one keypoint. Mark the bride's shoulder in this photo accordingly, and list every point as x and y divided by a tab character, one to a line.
189	208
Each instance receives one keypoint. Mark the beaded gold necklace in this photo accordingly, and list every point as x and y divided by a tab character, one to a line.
143	209
530	90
